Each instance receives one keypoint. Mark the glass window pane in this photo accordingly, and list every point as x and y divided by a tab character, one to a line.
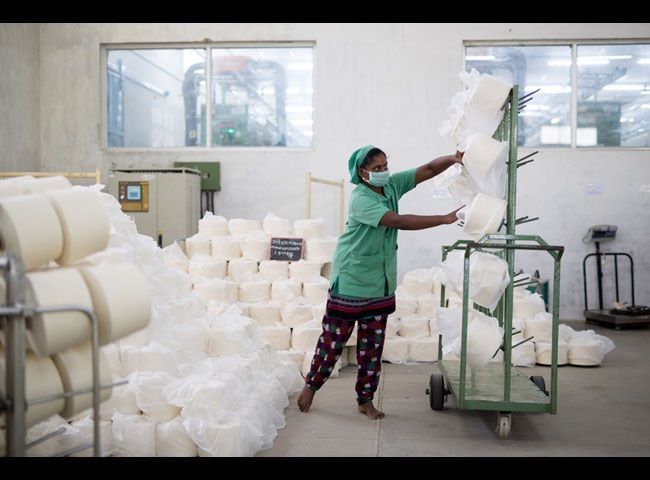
546	119
614	95
156	97
262	96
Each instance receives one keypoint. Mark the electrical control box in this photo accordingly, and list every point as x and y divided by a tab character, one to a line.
210	173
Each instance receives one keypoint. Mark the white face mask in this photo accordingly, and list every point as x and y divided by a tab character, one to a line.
378	179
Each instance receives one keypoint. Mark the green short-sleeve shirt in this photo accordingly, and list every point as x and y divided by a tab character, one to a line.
365	261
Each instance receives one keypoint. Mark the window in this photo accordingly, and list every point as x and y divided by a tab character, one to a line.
608	107
258	96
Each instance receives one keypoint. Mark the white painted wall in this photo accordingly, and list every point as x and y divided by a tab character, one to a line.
386	84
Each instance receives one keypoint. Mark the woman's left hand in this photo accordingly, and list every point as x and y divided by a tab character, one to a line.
458	157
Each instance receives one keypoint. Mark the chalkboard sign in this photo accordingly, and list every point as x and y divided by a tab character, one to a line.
287	249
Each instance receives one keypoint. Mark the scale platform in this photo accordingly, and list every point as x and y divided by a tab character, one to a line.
607	319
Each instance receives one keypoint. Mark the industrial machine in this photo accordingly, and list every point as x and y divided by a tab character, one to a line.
164	203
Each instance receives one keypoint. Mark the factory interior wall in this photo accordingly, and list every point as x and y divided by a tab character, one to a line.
385	84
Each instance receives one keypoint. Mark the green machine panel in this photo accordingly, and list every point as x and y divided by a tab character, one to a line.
210	173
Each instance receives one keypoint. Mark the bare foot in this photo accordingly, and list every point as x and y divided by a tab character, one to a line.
305	399
369	409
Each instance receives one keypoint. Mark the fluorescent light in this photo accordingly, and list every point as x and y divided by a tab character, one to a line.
300	66
646	106
644	61
605	57
623	87
558	63
293	90
480	57
302	122
592	61
549	88
299	108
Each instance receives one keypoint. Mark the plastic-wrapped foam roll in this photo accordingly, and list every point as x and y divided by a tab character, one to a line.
153	357
149	395
254	290
528	306
427	305
75	369
318	311
396	350
284	291
418	282
172	440
320	249
47	448
304	271
540	327
483	215
30	228
315	291
488	96
414	326
177	262
273	270
255	249
10	189
524	355
81	432
47	184
276	226
41	379
239	227
225	248
133	436
489	278
265	314
309	228
213	226
422	349
353	336
226	439
223	290
392	326
53	332
485	160
543	353
404	305
122	401
305	337
326	271
121	299
296	313
241	269
586	354
206	267
279	336
199	245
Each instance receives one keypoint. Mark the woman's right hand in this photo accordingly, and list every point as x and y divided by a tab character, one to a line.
451	217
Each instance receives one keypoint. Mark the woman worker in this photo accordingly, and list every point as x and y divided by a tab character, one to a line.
364	270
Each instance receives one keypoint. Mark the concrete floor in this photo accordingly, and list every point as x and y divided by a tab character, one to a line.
602	411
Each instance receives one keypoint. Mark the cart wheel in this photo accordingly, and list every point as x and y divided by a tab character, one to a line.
436	391
503	425
539	381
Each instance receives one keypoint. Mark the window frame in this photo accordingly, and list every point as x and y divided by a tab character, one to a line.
573	43
104	48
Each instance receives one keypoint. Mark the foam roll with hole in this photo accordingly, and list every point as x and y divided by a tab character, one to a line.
206	267
489	278
279	336
30	228
265	314
241	269
213	226
225	248
304	271
414	326
315	291
485	160
484	215
543	353
41	379
75	369
240	227
53	332
199	245
222	290
273	270
254	290
284	291
172	440
296	313
320	249
396	350
47	184
422	349
121	299
309	228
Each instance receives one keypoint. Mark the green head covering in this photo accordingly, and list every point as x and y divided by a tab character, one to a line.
356	159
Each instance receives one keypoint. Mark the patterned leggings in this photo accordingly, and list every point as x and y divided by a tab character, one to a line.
370	343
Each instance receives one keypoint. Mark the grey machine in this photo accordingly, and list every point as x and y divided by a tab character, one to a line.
164	203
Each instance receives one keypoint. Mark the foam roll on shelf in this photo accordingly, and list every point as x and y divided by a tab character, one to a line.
284	291
253	290
53	332
485	160
213	226
483	216
47	184
121	299
218	289
30	228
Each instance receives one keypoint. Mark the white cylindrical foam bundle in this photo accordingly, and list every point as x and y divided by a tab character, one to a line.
422	349
273	270
485	160
305	337
279	336
418	282
41	379
75	369
175	257
121	299
122	400
483	215
47	184
352	341
304	271
284	291
53	332
326	271
225	248
199	245
396	350
134	436
528	306
392	326
487	98
543	353
276	226
227	438
320	249
539	327
241	269
488	279
30	228
222	290
586	354
206	267
484	337
256	246
47	448
404	305
240	227
265	314
318	311
414	326
315	291
427	305
149	395
172	440
309	228
524	355
82	432
213	226
296	313
254	290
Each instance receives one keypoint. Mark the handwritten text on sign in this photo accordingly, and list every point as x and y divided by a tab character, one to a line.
288	249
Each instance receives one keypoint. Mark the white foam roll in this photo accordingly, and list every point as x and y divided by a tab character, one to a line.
134	436
273	270
404	305
255	249
225	248
418	282
81	432
181	264
305	337
318	311
284	291
422	349
427	305
485	160
539	327
172	440
213	226
414	326
320	249
153	357
315	291
75	368
148	388
353	336
276	226
84	223
585	354
222	290
326	271
254	290
199	245
241	269
41	379
489	278
309	228
527	306
206	267
226	439
304	271
396	350
47	184
484	215
295	313
524	355
8	189
121	299
53	332
488	96
30	228
122	401
392	326
265	314
279	336
239	227
543	353
47	448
